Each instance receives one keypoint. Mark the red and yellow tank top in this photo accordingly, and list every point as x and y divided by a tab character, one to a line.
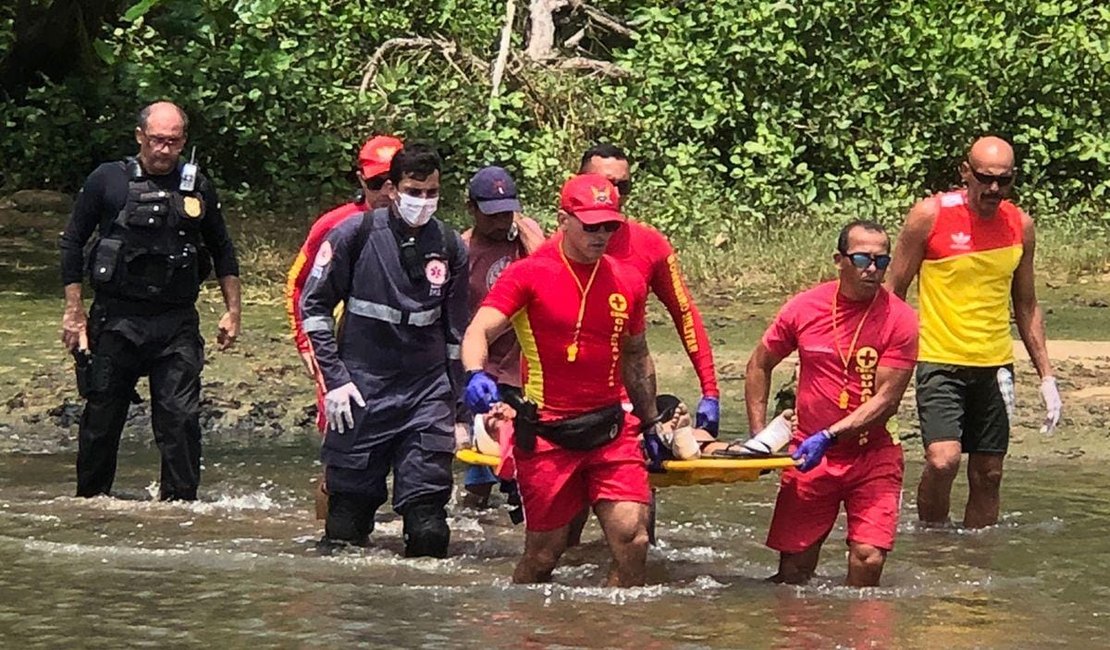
965	284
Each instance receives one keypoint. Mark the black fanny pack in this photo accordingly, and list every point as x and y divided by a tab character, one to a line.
583	433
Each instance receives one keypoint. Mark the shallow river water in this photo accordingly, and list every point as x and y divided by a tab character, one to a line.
238	570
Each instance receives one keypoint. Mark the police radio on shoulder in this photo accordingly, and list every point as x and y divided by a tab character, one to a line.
189	173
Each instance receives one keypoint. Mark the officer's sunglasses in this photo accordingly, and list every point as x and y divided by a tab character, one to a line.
1003	180
864	260
607	226
624	188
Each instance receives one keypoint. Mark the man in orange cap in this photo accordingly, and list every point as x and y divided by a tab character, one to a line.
373	175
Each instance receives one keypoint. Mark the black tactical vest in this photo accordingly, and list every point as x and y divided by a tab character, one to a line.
153	250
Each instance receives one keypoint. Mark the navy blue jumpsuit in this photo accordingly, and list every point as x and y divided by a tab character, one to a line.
398	342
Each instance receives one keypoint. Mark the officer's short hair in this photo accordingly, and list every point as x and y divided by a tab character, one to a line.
416	160
866	224
144	115
601	150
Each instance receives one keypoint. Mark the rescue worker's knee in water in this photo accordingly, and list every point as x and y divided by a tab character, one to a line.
350	518
426	531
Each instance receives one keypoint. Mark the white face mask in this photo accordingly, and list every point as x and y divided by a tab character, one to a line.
416	211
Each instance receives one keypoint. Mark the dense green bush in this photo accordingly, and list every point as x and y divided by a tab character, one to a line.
873	101
741	113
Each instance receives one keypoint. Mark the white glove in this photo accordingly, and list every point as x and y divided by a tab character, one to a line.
337	407
1052	405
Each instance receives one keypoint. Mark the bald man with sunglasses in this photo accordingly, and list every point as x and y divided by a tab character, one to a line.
973	251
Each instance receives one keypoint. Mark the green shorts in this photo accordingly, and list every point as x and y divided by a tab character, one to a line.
971	404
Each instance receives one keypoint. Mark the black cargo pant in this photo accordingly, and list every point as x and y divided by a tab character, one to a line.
169	349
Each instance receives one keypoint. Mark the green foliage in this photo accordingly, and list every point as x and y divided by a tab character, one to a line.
742	114
790	104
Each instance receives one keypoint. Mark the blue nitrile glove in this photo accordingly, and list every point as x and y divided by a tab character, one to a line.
812	449
481	391
709	415
654	449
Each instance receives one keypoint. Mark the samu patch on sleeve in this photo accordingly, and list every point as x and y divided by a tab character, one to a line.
323	256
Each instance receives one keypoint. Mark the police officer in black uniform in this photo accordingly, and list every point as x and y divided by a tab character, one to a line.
392	369
160	233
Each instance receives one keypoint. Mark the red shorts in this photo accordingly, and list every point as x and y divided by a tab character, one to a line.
869	485
556	484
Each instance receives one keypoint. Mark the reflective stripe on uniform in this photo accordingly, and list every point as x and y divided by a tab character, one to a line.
423	318
318	324
453	351
388	314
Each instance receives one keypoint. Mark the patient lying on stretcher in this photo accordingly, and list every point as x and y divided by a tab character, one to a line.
684	442
677	437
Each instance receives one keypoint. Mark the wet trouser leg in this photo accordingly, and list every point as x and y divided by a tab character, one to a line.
105	413
422	483
175	411
355	494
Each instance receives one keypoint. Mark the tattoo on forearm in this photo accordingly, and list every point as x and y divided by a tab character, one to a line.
639	381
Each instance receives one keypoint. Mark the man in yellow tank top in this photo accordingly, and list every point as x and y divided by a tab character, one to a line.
973	250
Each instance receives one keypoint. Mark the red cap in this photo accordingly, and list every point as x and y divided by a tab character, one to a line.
376	154
591	198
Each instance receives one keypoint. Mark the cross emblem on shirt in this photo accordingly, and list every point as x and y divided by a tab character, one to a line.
867	357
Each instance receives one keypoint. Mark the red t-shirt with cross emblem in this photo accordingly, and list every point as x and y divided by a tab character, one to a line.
887	338
542	298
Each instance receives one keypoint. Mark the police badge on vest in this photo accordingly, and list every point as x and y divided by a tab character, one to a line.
153	250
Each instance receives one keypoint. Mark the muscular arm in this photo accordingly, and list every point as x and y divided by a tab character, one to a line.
638	375
1027	310
668	285
890	385
909	252
486	325
757	385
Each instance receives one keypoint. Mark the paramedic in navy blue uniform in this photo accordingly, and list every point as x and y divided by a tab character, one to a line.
391	368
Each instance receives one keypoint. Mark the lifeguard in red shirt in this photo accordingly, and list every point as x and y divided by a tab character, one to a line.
579	316
373	174
649	252
857	345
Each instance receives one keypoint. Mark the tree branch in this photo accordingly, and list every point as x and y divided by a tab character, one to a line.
593	65
502	56
541	34
447	49
605	19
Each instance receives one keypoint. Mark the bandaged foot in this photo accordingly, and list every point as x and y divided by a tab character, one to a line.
775	436
677	434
